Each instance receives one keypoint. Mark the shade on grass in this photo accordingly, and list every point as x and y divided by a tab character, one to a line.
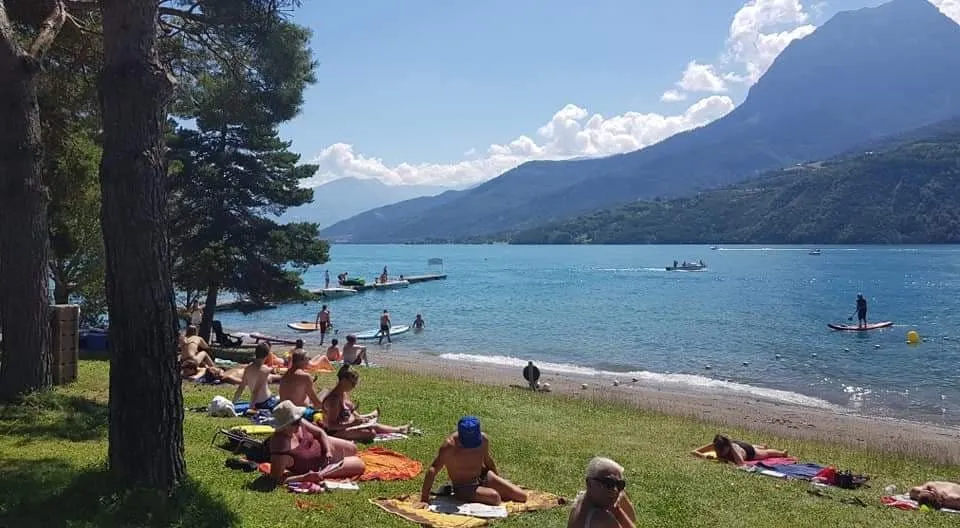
52	447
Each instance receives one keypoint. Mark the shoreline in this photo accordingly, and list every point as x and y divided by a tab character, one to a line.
725	409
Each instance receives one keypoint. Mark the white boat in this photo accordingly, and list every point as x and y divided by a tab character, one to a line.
391	284
336	292
395	330
814	252
687	266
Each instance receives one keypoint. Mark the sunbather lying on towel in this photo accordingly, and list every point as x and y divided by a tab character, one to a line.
340	416
297	385
739	452
472	471
301	451
604	504
191	371
937	495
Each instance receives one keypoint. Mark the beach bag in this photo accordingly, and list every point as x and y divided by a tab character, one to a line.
850	480
221	407
240	443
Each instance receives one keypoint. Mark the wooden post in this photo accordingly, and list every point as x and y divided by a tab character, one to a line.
64	342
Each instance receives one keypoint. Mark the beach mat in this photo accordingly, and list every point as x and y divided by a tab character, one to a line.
403	506
904	502
384	464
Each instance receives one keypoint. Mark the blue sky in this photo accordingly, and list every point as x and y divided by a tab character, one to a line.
406	88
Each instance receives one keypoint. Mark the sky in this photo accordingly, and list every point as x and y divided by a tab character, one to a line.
455	93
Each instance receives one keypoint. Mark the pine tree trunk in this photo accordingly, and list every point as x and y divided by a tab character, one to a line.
24	292
209	309
146	405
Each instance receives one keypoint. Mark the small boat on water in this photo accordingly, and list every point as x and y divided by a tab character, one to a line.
391	284
335	292
687	266
814	252
714	248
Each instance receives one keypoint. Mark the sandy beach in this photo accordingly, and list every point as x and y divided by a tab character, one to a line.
934	442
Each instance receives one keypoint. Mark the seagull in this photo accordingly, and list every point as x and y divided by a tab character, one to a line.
532	374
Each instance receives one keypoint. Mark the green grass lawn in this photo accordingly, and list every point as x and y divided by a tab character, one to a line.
53	446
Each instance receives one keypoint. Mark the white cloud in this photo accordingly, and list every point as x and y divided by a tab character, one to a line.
572	132
673	96
951	8
701	78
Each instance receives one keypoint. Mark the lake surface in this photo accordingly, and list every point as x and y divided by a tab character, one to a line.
754	321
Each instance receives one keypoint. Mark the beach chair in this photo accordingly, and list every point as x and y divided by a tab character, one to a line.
224	339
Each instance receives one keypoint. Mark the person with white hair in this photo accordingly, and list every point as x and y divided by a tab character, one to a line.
604	504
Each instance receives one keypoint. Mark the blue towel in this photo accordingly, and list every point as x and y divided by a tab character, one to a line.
795	471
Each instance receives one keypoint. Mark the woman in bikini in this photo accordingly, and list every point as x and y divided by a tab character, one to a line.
301	451
340	416
739	452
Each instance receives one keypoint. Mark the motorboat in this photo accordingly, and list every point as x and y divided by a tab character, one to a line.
814	252
335	292
687	266
391	284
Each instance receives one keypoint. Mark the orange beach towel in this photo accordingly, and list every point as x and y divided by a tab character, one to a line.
384	464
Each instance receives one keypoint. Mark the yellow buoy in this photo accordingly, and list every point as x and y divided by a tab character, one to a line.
913	337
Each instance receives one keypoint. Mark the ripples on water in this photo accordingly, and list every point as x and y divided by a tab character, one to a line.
614	310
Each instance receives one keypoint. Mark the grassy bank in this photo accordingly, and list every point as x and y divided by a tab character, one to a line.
52	448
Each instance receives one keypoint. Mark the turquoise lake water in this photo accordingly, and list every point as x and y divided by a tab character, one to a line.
613	311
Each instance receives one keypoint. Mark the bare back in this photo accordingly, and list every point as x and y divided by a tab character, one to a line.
191	346
297	386
256	377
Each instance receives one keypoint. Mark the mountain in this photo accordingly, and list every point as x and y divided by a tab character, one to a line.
907	193
863	75
346	197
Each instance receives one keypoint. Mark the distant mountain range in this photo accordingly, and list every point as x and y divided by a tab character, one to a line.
346	197
892	193
863	75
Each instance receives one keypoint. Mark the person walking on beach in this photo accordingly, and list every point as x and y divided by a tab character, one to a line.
384	327
472	471
861	311
604	503
326	279
323	322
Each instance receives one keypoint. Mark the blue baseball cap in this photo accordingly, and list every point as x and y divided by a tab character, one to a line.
469	431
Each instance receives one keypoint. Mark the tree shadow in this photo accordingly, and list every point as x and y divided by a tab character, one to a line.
51	492
53	415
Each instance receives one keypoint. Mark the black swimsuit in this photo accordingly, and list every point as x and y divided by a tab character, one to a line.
748	449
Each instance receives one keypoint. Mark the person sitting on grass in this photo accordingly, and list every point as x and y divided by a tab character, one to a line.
340	416
194	347
354	354
937	495
604	504
472	471
256	375
302	452
333	352
740	452
297	385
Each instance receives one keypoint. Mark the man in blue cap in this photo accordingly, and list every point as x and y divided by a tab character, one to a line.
472	471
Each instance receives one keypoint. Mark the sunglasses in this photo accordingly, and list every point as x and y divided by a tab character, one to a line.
611	483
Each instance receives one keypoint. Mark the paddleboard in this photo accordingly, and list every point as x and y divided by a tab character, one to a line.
855	328
304	326
271	339
372	334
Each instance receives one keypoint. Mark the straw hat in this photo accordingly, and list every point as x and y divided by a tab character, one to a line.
286	413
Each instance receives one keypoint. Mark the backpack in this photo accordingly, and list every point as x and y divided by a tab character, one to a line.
849	480
240	443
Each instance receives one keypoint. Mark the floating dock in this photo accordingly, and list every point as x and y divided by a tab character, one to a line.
413	279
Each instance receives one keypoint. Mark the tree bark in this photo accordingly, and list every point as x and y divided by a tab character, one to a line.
146	405
209	309
24	244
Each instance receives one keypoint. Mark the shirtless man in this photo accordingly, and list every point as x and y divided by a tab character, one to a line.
472	471
194	347
353	353
323	322
384	327
333	353
604	503
256	375
937	495
297	385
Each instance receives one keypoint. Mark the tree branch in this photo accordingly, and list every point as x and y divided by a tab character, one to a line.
188	15
48	31
9	48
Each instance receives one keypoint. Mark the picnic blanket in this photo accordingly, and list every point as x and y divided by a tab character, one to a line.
404	507
904	502
384	464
